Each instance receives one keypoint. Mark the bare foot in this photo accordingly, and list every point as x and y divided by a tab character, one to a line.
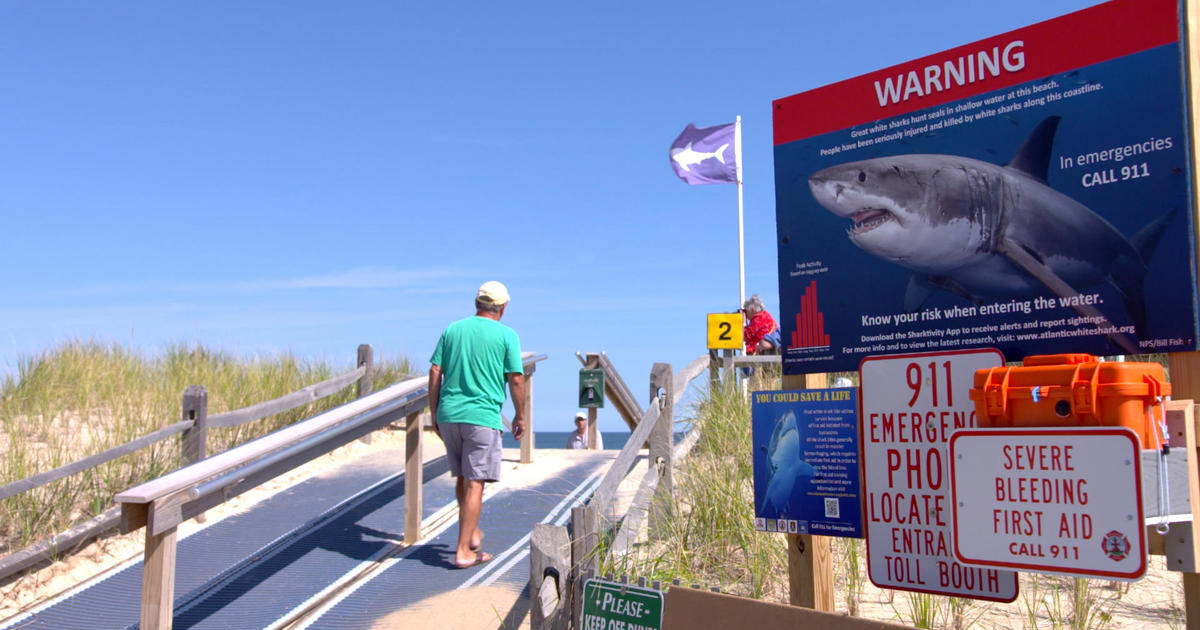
477	540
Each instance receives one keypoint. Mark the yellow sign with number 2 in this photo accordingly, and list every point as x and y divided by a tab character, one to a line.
725	331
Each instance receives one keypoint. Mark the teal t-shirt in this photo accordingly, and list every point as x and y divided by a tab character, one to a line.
475	354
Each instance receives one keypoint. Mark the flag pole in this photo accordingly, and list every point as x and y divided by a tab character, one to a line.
737	152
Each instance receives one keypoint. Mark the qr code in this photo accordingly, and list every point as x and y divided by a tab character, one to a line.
831	508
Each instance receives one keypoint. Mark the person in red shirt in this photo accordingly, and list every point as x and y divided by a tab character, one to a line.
760	333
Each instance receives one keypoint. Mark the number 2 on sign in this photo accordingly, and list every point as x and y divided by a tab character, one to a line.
916	382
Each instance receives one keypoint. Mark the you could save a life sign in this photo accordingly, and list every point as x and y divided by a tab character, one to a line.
1063	500
911	404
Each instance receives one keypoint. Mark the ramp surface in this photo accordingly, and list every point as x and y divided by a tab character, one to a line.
228	572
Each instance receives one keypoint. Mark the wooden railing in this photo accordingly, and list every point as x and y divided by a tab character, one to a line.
160	505
558	557
193	426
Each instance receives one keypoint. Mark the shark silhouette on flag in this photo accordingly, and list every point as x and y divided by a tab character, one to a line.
705	155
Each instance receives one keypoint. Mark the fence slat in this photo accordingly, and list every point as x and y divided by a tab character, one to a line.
624	460
41	479
631	525
285	403
686	375
66	541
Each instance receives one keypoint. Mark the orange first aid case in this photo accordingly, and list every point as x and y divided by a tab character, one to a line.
1065	390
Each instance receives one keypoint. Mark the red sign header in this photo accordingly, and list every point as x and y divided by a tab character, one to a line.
1082	38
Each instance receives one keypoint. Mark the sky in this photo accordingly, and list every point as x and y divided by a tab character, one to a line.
304	177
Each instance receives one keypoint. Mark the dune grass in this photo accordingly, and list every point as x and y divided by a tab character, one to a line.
83	397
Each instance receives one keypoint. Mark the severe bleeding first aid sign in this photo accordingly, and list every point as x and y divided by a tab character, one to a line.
1063	500
911	404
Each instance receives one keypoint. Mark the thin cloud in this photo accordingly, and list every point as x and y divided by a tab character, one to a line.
363	278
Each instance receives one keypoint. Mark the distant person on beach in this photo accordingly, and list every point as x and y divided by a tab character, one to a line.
579	439
473	359
760	332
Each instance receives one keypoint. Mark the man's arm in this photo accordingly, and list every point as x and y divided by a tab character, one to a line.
435	392
516	385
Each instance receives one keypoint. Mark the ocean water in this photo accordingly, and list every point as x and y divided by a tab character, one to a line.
613	440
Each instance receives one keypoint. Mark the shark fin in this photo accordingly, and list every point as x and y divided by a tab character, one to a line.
1146	240
917	293
1033	158
721	152
1022	258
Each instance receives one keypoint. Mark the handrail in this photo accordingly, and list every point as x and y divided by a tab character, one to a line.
191	477
624	460
753	359
240	455
687	375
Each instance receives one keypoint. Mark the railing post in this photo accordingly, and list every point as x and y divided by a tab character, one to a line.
810	557
193	441
549	577
366	357
413	473
662	379
158	580
593	427
527	439
714	369
585	538
366	383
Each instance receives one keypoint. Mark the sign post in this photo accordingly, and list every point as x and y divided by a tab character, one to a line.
1065	501
910	406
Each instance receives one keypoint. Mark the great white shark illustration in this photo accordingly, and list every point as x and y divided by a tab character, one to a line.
980	229
687	156
785	465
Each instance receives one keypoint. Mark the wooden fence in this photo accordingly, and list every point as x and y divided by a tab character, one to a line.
193	428
558	557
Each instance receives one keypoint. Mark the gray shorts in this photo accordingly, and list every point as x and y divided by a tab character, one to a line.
473	451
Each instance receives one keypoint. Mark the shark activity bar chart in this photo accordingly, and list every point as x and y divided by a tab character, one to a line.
810	322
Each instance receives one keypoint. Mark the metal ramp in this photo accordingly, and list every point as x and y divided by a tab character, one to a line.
283	543
325	554
426	569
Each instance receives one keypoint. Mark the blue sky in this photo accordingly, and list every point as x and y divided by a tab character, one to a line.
267	177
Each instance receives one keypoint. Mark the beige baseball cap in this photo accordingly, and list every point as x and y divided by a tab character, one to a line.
493	292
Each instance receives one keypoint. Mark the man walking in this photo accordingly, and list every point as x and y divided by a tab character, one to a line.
473	359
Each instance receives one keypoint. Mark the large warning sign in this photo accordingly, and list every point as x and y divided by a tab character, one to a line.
1026	192
910	406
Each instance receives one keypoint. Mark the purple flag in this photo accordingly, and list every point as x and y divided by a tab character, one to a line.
705	156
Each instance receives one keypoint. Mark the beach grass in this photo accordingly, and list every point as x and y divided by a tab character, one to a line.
82	397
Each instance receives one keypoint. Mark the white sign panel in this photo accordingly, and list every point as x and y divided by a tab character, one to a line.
910	406
1063	500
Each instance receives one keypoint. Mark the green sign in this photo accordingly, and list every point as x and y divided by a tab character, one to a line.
610	606
591	389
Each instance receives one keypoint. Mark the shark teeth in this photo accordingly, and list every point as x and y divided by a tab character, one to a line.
869	219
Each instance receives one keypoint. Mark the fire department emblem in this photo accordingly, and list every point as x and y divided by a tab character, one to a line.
1115	545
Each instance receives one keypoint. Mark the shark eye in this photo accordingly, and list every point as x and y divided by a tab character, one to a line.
862	177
